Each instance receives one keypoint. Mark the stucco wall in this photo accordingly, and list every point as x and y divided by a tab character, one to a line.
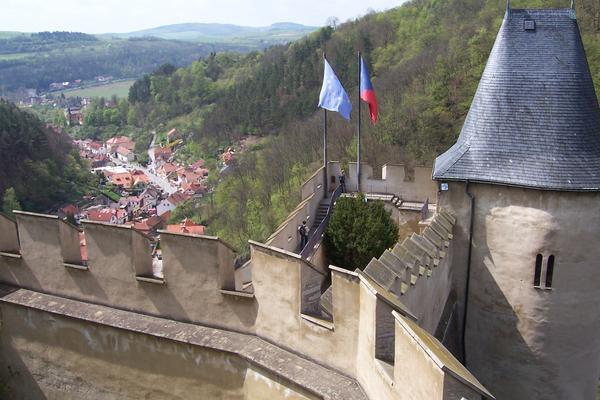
394	180
286	236
427	298
523	342
277	280
417	372
46	356
194	268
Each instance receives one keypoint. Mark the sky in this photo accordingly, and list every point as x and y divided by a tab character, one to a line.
104	16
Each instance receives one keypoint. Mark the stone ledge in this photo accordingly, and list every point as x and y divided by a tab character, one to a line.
10	255
237	293
318	321
314	378
80	267
150	279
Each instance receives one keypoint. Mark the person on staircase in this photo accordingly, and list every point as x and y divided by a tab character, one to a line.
303	231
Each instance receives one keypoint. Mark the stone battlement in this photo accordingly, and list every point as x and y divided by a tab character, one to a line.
198	284
417	270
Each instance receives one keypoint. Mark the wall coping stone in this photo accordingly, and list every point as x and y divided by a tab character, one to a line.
277	252
314	378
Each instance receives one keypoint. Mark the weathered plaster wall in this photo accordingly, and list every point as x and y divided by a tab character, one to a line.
427	298
394	180
417	372
277	281
524	342
195	270
286	235
46	356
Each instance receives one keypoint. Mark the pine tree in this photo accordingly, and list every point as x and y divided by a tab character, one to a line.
358	231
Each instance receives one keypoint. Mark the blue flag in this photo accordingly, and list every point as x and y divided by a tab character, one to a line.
333	97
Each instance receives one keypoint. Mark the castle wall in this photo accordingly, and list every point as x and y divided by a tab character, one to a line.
525	342
286	236
417	186
312	192
195	270
427	298
196	284
50	356
278	284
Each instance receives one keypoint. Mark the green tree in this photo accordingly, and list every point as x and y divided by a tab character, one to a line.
10	201
358	231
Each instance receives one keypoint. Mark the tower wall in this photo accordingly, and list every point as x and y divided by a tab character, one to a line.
526	342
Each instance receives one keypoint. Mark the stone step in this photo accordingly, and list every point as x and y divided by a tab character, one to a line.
443	222
394	263
448	216
429	247
441	230
436	239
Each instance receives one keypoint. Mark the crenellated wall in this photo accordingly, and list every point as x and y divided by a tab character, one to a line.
196	284
119	271
418	271
395	179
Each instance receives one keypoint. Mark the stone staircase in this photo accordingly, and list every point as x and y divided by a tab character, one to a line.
320	215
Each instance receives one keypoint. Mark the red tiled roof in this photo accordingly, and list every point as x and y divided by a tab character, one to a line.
177	198
102	215
70	209
187	226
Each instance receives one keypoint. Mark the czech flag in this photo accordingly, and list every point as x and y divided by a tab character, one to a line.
367	94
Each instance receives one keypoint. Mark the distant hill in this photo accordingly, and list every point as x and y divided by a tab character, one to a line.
35	60
277	33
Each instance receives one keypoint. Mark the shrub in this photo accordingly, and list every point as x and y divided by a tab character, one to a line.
358	231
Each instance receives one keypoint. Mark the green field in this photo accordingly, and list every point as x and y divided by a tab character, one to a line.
119	89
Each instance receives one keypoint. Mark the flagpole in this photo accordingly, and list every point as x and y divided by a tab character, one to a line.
358	133
326	192
325	153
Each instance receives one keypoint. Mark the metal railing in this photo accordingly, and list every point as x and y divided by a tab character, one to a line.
317	235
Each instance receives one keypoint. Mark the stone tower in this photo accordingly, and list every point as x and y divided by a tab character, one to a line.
524	181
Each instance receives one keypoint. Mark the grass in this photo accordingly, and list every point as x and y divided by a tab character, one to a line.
111	195
119	89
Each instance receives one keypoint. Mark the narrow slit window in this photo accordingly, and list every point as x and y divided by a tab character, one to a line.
549	271
538	270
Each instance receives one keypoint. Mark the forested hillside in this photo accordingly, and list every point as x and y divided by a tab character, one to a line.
426	58
36	61
39	164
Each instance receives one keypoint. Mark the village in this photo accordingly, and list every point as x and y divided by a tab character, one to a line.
141	196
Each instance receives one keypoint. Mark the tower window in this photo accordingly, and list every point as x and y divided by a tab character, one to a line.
529	25
542	277
538	270
549	271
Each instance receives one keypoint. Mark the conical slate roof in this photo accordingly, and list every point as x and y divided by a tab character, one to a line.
534	121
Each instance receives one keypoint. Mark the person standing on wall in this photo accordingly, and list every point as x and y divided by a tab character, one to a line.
342	179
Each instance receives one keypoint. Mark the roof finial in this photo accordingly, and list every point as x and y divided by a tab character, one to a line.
508	8
573	4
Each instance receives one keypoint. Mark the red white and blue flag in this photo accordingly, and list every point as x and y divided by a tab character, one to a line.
367	93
